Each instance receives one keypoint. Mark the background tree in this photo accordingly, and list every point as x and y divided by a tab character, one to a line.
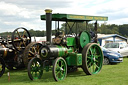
81	26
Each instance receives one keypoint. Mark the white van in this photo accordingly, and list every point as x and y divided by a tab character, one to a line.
120	47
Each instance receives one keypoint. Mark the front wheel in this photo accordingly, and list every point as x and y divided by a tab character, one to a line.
2	66
59	69
106	61
92	59
35	68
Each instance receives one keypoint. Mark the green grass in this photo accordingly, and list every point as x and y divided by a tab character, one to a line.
109	75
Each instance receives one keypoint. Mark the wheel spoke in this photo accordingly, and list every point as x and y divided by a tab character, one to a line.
24	43
96	65
62	64
96	61
88	61
32	53
36	64
35	49
93	68
57	72
97	56
94	50
19	46
18	34
89	65
57	66
24	33
90	50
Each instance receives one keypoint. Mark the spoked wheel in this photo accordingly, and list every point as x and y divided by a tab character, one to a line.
59	69
106	61
20	38
35	68
92	59
2	66
32	50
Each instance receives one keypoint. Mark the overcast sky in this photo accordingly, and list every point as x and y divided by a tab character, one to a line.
26	13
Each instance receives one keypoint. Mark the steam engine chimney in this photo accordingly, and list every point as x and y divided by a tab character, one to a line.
48	25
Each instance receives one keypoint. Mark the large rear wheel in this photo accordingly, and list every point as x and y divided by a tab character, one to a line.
92	58
32	50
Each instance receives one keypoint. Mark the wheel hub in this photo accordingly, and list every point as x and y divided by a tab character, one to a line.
61	69
37	55
94	58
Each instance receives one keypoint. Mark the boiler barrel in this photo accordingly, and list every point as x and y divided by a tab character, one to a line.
53	51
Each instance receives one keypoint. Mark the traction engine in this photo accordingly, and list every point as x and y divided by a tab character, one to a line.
66	53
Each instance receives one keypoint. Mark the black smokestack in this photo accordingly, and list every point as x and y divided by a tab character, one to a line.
48	25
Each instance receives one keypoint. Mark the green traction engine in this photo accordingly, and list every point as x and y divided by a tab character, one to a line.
65	53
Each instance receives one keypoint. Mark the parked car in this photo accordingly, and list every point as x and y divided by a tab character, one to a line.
120	47
111	57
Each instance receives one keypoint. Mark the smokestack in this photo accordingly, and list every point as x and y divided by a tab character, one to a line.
48	24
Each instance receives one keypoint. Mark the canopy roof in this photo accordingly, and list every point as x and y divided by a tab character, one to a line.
72	17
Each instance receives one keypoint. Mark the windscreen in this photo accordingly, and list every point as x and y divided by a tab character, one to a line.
112	45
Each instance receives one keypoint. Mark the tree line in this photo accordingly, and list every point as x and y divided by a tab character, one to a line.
114	29
103	28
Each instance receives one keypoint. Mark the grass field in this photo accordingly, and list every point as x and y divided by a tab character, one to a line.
109	75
